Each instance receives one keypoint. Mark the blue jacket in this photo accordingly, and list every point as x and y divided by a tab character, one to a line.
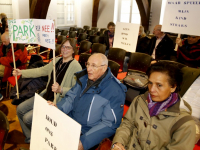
99	110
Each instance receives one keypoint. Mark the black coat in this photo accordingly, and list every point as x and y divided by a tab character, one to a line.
164	50
106	40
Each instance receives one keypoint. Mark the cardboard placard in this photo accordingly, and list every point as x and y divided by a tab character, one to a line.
182	17
52	129
32	31
126	36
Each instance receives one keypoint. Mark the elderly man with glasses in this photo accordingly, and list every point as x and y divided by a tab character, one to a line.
189	51
96	102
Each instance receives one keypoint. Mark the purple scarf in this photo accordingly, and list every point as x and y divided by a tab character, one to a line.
110	35
156	107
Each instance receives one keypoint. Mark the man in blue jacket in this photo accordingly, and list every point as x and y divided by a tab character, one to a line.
96	102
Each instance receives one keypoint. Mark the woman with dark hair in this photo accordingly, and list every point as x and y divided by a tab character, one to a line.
109	36
66	66
4	23
155	119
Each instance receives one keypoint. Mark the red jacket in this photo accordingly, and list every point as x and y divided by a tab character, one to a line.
7	61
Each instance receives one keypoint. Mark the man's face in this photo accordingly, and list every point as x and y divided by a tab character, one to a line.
157	32
5	41
95	67
193	39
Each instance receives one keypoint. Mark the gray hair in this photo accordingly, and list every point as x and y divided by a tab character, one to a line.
103	57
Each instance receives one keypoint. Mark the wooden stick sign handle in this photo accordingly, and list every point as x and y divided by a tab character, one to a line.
13	54
54	74
176	48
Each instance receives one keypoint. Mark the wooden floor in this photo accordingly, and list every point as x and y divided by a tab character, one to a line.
15	138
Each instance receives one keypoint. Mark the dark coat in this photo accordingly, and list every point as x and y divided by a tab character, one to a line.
164	50
106	40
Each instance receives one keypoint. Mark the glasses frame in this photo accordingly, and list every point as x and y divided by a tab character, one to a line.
66	47
92	66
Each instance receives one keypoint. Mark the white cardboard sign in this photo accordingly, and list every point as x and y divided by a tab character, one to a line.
126	36
52	129
32	31
182	17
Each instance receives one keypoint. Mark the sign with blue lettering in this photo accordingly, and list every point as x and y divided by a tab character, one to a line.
182	17
32	31
52	129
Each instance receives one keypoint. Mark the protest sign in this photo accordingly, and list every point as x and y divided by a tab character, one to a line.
126	36
35	31
52	129
182	17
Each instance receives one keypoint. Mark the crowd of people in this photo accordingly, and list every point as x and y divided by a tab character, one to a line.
157	119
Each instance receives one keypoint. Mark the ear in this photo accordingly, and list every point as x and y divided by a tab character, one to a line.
173	89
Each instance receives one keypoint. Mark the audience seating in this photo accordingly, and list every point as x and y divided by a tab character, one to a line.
137	62
79	31
84	48
56	31
101	39
114	67
117	55
10	83
99	33
64	32
95	29
175	63
60	39
94	39
20	46
81	37
72	29
89	33
72	34
173	39
102	30
85	28
83	59
98	48
4	128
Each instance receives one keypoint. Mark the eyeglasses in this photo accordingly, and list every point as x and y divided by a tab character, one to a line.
93	66
66	47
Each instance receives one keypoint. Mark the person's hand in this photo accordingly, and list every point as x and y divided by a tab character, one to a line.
56	88
51	103
153	62
118	146
80	146
179	42
16	72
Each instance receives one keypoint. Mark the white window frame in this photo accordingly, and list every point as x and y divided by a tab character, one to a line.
4	9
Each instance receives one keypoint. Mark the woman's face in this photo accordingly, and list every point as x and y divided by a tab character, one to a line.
111	29
67	50
159	87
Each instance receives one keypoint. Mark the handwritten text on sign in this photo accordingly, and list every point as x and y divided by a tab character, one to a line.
182	17
34	31
126	35
52	129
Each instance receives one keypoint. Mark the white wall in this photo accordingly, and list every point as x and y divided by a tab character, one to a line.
106	13
52	11
155	14
20	9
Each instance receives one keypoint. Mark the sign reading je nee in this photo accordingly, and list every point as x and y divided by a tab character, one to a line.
35	31
182	17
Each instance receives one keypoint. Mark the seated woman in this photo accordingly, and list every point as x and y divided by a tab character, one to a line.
155	119
66	66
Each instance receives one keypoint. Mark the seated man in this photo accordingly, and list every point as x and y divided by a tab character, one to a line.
96	102
6	58
161	47
189	51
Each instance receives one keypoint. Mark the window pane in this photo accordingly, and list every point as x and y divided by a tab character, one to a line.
125	11
60	18
135	13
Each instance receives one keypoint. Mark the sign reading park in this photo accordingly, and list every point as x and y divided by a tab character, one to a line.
126	36
182	17
52	129
34	31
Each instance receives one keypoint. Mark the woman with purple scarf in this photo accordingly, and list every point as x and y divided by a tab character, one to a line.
109	36
155	119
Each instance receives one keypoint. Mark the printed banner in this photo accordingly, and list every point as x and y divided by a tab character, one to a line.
126	36
52	129
182	17
32	31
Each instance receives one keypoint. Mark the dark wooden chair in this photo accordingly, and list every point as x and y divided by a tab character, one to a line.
72	34
83	59
81	37
98	48
114	67
60	39
94	39
64	32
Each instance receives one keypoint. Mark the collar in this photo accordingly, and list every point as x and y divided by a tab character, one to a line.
160	38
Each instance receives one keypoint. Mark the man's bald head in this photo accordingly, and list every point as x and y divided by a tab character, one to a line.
97	65
5	38
157	31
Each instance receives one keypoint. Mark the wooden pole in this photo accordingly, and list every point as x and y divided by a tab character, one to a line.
54	73
176	47
13	54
